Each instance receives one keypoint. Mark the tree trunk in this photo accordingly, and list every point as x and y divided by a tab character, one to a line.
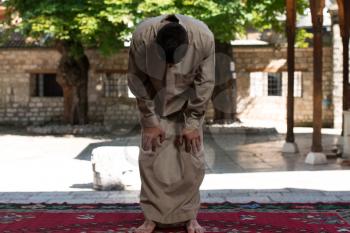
72	75
224	94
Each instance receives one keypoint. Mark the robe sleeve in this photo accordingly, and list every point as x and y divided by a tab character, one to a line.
202	89
140	85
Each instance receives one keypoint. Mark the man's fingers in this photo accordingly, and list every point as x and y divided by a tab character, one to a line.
154	143
146	143
194	146
198	144
179	139
162	137
187	145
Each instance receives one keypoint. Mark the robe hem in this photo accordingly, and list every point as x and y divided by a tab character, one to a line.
178	218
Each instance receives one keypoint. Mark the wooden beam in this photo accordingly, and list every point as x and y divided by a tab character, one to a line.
317	7
344	17
2	12
291	24
344	23
111	71
263	69
41	71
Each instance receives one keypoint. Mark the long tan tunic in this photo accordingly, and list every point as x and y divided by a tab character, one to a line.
173	97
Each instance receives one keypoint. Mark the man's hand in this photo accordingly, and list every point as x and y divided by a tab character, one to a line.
150	138
192	140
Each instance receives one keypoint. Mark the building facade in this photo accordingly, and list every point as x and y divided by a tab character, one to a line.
29	93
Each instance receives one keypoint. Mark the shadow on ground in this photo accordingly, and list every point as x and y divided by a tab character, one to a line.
239	153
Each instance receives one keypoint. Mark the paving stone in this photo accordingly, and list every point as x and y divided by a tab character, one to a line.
34	200
301	191
223	193
17	194
313	193
344	197
71	201
123	195
305	199
210	196
212	199
248	199
336	193
269	195
100	194
263	191
120	200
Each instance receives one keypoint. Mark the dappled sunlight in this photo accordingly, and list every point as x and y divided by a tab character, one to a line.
312	180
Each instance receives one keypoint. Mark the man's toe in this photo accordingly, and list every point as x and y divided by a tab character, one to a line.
200	230
190	230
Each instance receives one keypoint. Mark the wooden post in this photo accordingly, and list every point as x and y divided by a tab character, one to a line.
316	156
344	23
291	20
290	145
2	12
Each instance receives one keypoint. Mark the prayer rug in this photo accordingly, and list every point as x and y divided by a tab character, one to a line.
219	217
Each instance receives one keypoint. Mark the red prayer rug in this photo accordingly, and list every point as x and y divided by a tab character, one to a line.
221	217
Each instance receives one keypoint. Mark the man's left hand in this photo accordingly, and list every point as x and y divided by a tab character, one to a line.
192	140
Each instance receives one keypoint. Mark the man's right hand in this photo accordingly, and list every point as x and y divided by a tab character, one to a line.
150	138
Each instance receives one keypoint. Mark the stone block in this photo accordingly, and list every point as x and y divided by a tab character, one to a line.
111	165
289	147
314	158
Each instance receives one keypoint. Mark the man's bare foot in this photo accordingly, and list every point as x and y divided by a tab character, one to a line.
147	227
193	226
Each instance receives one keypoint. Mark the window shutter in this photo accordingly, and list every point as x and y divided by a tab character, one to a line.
298	83
258	84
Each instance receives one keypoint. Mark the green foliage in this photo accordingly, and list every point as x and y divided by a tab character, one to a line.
301	38
101	24
226	18
106	24
270	14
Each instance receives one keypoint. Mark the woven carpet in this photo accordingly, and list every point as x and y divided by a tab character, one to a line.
220	217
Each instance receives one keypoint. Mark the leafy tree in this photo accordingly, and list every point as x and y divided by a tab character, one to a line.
71	26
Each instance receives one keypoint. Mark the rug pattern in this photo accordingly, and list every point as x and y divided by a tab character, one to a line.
219	217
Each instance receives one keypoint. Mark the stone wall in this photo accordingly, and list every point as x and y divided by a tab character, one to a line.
111	110
337	68
18	107
273	108
16	104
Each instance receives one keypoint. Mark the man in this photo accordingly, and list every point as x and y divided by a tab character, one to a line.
171	74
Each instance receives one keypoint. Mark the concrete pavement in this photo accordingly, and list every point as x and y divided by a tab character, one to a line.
239	168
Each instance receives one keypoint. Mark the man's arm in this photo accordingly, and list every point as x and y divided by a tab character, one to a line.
202	90
144	92
141	87
200	94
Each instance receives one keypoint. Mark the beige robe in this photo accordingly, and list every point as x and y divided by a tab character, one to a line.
173	97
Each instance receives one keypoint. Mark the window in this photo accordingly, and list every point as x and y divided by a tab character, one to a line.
274	85
116	85
45	85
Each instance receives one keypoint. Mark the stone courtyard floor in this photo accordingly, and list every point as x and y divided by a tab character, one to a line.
239	168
